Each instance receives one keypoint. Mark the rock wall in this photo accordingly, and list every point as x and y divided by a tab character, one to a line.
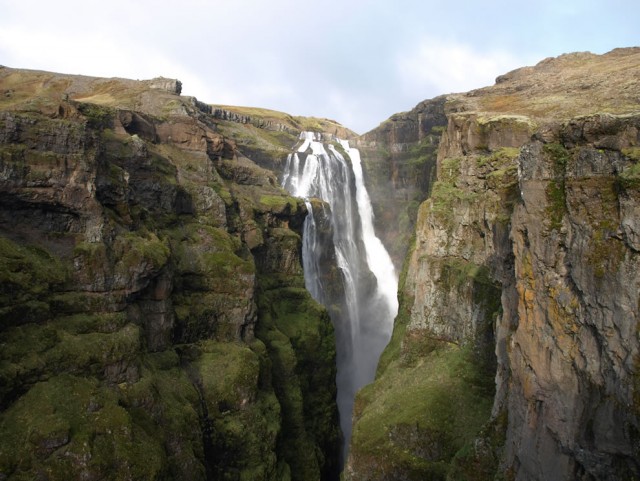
154	321
569	346
515	351
399	160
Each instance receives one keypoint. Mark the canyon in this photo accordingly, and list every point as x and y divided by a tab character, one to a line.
156	322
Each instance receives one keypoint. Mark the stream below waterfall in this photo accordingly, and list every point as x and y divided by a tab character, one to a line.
362	297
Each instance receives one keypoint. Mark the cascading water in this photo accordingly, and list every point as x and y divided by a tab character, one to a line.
363	309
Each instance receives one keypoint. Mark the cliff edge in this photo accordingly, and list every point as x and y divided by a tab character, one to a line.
516	353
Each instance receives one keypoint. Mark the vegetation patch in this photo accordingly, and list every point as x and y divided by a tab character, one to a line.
28	276
445	196
632	153
298	335
67	418
555	190
498	159
98	117
605	253
629	179
279	203
417	418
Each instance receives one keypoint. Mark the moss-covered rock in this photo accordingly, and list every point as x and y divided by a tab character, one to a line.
132	234
301	347
445	399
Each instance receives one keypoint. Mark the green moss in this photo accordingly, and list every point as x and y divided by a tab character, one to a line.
301	348
279	203
212	278
555	190
224	194
230	384
421	415
341	151
68	418
459	272
75	302
479	460
98	116
92	351
632	153
229	374
28	275
449	170
605	252
35	352
444	198
28	269
499	159
630	177
165	403
556	199
559	156
134	250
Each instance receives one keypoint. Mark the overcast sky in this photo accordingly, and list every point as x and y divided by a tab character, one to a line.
353	61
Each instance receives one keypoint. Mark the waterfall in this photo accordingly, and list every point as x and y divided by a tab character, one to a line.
364	303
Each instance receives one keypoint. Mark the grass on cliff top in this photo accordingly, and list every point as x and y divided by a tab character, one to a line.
564	87
30	90
295	122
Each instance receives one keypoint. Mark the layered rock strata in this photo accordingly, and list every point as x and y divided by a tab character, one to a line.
154	321
515	353
399	158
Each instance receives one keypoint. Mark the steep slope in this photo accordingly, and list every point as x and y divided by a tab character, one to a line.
153	317
516	352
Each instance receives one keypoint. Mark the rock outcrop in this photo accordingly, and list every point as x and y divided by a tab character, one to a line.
154	321
516	351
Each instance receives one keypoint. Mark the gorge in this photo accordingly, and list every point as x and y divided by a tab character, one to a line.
161	316
362	301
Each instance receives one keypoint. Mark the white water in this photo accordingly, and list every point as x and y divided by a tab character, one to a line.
367	302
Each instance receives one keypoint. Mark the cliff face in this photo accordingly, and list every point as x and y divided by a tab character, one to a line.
515	354
153	317
571	347
399	159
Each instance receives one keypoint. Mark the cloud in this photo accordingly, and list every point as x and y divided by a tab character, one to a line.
356	62
438	67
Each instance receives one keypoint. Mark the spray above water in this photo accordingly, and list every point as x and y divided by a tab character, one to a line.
365	303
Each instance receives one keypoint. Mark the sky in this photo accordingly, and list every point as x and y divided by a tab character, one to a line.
353	61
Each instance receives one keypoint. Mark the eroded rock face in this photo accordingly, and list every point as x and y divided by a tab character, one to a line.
521	291
152	305
399	162
573	351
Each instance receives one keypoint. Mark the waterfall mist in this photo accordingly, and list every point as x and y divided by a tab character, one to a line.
362	296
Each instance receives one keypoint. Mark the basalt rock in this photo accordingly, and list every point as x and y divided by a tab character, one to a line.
399	159
154	322
515	351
